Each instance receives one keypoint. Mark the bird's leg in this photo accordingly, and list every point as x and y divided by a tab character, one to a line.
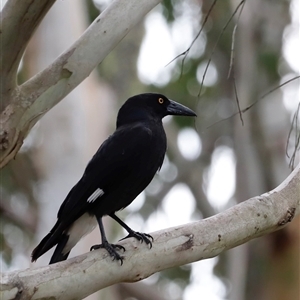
142	237
111	248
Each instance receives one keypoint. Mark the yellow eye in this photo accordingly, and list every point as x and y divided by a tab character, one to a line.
160	100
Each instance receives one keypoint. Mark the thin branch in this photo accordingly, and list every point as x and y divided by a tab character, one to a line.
231	64
269	92
83	275
233	40
277	87
186	52
255	102
216	44
295	124
237	100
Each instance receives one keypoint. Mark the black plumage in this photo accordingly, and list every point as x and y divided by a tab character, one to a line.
120	170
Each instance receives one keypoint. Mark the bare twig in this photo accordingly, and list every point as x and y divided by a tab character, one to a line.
216	44
186	52
231	64
295	124
233	40
277	87
255	102
237	99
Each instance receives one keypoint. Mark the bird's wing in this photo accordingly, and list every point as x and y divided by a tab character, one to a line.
106	171
108	168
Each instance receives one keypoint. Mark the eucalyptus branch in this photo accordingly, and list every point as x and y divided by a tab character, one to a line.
83	275
26	104
19	19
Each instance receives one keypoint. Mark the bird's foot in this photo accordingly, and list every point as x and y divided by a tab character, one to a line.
111	249
142	237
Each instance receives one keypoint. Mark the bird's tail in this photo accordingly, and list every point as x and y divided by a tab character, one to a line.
49	241
58	254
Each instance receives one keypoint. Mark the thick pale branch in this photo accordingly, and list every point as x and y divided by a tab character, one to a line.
29	102
19	19
85	274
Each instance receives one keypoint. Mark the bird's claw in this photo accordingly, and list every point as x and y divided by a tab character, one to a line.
142	237
111	249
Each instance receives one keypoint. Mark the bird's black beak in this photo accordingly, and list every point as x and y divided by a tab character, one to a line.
175	108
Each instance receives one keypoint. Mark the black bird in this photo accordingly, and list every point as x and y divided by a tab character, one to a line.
120	170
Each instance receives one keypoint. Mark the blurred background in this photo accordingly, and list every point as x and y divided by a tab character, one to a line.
212	163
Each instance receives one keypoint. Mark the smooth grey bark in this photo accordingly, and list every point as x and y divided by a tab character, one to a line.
85	274
24	105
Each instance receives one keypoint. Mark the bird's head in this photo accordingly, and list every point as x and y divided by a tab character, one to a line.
150	106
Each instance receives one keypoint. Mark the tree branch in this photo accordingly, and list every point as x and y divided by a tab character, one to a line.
80	276
19	19
29	102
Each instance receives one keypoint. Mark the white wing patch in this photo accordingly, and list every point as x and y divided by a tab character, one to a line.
98	193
